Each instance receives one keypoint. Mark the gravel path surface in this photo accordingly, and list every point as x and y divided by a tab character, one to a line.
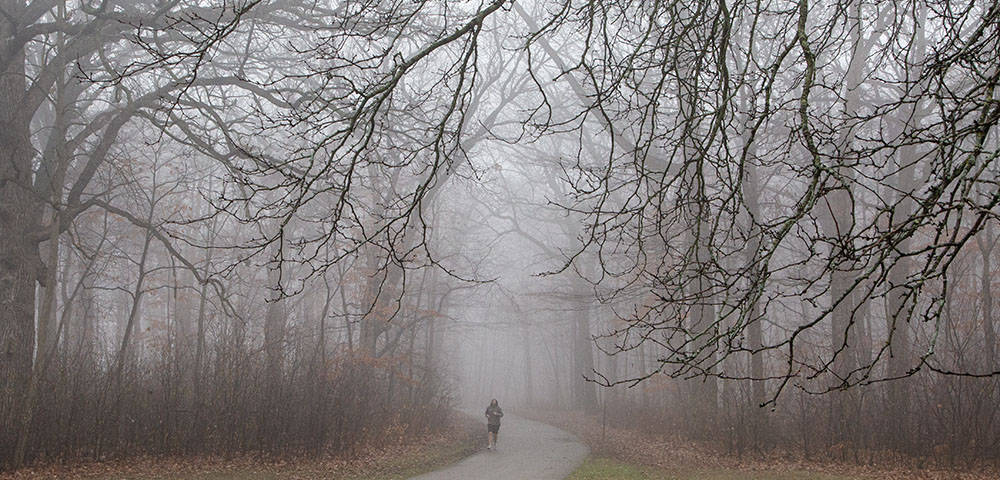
526	450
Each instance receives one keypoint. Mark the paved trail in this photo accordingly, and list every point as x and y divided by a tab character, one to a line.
527	450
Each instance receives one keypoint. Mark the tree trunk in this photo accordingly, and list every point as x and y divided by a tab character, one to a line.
986	279
837	223
47	338
374	297
199	352
19	217
81	336
275	320
702	391
754	328
583	359
529	387
132	322
898	416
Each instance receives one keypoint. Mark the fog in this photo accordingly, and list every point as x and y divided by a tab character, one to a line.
290	227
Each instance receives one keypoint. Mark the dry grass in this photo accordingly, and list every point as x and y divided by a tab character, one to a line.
397	459
596	468
671	456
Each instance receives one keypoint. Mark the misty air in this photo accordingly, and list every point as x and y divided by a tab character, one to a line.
499	239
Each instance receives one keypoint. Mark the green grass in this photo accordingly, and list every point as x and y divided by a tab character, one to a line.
595	468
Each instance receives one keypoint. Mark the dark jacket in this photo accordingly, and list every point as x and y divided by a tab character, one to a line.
493	415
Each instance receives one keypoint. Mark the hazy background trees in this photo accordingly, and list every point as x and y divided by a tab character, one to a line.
780	199
284	226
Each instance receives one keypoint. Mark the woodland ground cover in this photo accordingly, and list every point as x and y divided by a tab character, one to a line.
603	468
631	453
395	458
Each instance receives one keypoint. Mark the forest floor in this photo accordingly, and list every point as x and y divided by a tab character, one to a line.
398	459
627	454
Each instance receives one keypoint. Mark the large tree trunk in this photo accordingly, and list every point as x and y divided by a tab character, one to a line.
47	340
19	217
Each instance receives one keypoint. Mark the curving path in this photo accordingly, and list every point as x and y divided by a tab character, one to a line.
527	450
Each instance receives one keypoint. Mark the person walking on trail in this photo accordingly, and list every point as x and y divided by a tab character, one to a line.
493	414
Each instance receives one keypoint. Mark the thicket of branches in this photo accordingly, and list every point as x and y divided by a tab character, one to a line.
785	205
841	155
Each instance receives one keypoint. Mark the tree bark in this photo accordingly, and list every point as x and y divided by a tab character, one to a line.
19	217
